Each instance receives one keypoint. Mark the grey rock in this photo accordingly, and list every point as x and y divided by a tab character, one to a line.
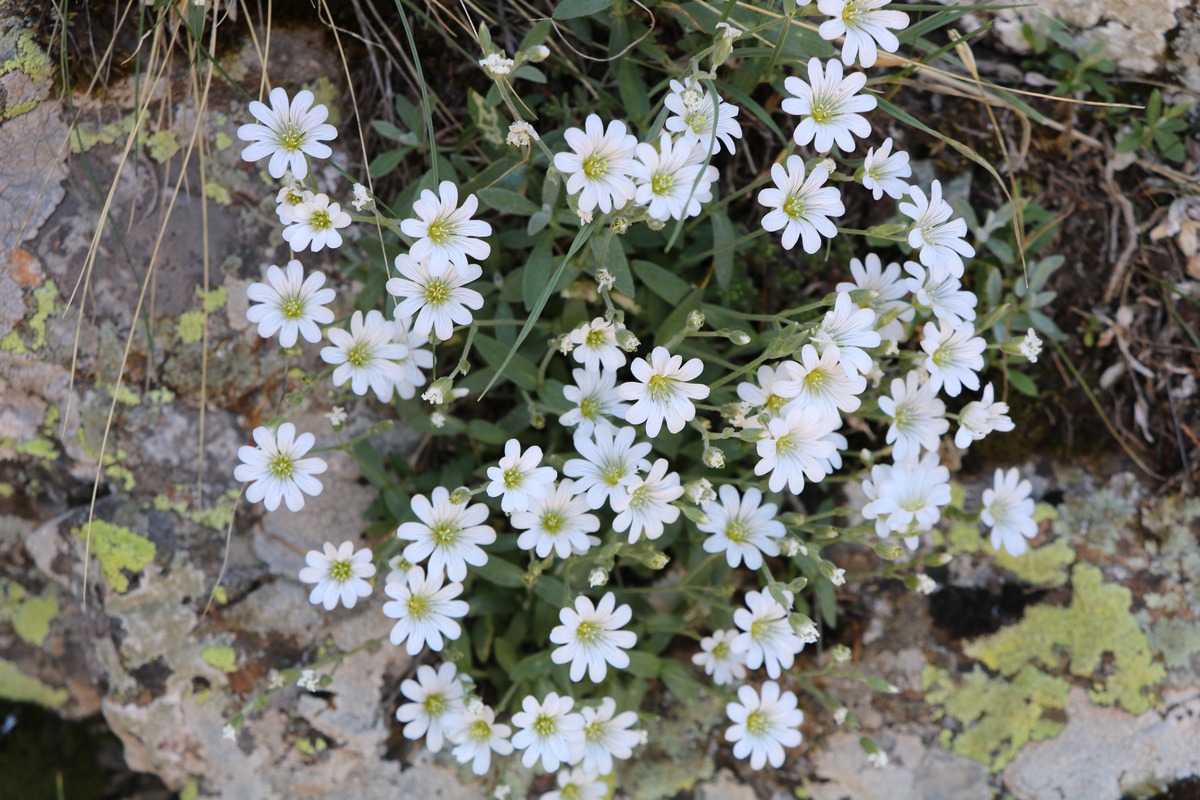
913	772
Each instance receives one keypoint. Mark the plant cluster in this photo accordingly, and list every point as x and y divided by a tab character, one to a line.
613	499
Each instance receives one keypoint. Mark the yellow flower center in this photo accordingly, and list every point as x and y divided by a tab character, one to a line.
544	725
418	606
822	110
292	308
439	231
593	731
281	466
612	473
480	731
697	121
942	356
435	704
341	571
737	531
437	291
758	628
320	221
587	632
816	379
784	444
512	478
290	138
659	387
720	649
595	337
358	355
640	497
757	723
552	522
589	408
775	403
661	182
445	533
794	206
595	166
569	792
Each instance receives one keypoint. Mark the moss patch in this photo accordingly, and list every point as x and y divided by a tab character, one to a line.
119	550
21	688
1096	624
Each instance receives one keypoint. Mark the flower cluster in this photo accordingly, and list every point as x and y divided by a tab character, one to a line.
632	474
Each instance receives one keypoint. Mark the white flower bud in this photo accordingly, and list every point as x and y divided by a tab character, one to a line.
597	577
521	134
695	320
840	654
605	280
437	419
537	53
714	458
497	65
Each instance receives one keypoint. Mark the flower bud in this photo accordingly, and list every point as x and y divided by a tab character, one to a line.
695	320
840	654
537	53
597	577
627	341
460	495
714	458
738	337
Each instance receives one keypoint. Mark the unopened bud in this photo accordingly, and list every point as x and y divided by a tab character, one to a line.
460	495
655	224
620	225
840	653
537	420
627	341
597	577
537	53
695	320
656	560
714	458
739	337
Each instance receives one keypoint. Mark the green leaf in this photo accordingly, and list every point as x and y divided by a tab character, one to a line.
524	374
531	667
1023	383
644	665
537	271
507	201
572	9
618	266
385	162
487	432
580	239
632	87
502	573
723	236
663	283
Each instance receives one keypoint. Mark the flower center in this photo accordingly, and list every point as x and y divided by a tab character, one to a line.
435	704
512	478
594	731
737	531
569	792
281	466
852	14
720	650
444	533
659	387
639	498
661	182
613	472
358	355
480	731
418	606
320	221
794	206
816	379
292	308
290	137
552	522
595	166
437	291
544	725
589	408
775	403
341	571
595	337
823	110
294	197
439	231
757	723
785	444
759	628
697	121
942	356
587	632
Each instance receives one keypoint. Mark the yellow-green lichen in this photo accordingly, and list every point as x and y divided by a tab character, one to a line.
222	657
84	137
1178	640
162	145
45	299
30	616
38	448
161	396
191	327
29	60
122	474
223	141
21	688
217	193
998	716
50	420
311	746
214	300
1042	566
190	790
11	343
119	550
1096	624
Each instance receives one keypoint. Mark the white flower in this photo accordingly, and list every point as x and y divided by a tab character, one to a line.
878	759
691	107
799	206
955	355
440	301
277	469
906	498
595	398
1008	511
496	65
741	527
606	736
884	170
939	238
797	446
1031	346
830	105
398	569
425	611
852	330
290	304
339	574
518	479
599	165
672	181
838	577
289	198
839	716
557	520
863	24
578	784
229	732
477	735
604	279
287	132
662	391
609	462
821	382
926	585
941	292
771	394
980	417
699	491
595	345
449	535
718	658
643	505
728	32
918	417
314	224
444	232
763	725
521	134
366	356
549	731
437	698
889	290
591	638
418	357
336	417
362	198
767	638
597	577
308	680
